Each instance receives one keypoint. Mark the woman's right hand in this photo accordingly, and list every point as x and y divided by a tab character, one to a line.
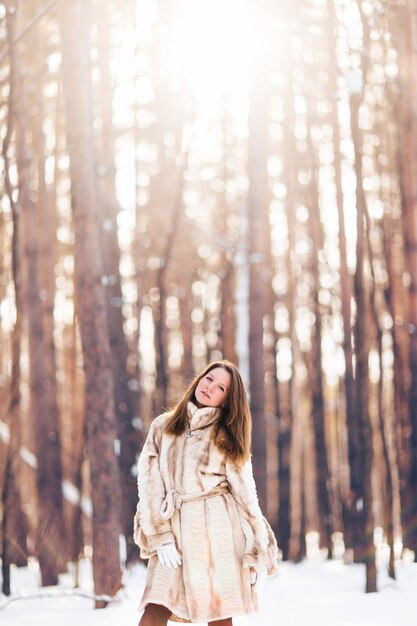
168	555
258	575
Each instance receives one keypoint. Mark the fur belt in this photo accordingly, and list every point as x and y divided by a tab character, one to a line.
173	499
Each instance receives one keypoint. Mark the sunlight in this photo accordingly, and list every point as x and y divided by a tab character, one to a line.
212	46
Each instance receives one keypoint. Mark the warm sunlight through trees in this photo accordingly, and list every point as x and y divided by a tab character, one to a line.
185	180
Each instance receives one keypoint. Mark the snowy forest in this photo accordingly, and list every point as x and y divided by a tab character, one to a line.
183	181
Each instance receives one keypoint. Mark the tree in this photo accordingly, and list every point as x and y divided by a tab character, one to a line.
125	400
14	527
42	399
367	549
91	298
404	31
350	499
315	359
258	226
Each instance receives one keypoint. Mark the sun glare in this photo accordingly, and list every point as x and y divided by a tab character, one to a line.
211	47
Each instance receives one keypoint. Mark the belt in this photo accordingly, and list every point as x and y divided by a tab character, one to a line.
173	499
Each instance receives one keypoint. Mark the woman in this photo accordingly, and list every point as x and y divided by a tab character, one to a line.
198	519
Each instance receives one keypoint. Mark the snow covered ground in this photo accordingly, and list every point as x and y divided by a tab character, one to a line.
314	593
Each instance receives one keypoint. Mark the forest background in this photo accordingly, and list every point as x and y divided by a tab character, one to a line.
183	181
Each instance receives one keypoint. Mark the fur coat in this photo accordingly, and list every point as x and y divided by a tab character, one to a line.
220	535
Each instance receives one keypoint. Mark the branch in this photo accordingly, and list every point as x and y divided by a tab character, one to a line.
28	26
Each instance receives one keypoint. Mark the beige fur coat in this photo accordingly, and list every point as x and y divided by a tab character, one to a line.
220	537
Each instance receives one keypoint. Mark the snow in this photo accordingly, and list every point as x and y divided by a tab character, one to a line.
316	592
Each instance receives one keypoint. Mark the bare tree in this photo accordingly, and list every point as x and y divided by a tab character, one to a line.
43	403
315	359
350	499
126	400
91	298
367	553
14	527
258	221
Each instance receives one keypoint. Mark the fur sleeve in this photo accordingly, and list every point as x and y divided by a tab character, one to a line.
150	530
261	545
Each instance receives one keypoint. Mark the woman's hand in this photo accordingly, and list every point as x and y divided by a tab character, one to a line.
258	575
168	555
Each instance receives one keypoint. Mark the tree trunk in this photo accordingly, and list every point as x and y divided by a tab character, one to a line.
91	298
126	399
389	461
159	309
228	278
286	421
324	482
185	305
47	255
396	419
384	470
367	549
410	222
297	546
49	545
402	32
258	219
165	187
227	316
315	370
76	431
350	499
14	524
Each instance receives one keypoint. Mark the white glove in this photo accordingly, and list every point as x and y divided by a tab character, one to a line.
168	555
258	575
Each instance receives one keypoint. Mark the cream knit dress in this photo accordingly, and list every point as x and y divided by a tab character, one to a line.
220	537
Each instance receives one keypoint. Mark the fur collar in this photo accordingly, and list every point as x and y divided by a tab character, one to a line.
201	417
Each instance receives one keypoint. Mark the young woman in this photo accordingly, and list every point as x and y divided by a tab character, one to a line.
198	519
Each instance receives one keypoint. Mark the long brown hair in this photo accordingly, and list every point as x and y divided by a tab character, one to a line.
232	432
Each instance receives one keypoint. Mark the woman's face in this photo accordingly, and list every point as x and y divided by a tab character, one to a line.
213	388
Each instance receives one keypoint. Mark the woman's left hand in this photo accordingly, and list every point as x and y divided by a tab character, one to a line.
258	575
168	555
